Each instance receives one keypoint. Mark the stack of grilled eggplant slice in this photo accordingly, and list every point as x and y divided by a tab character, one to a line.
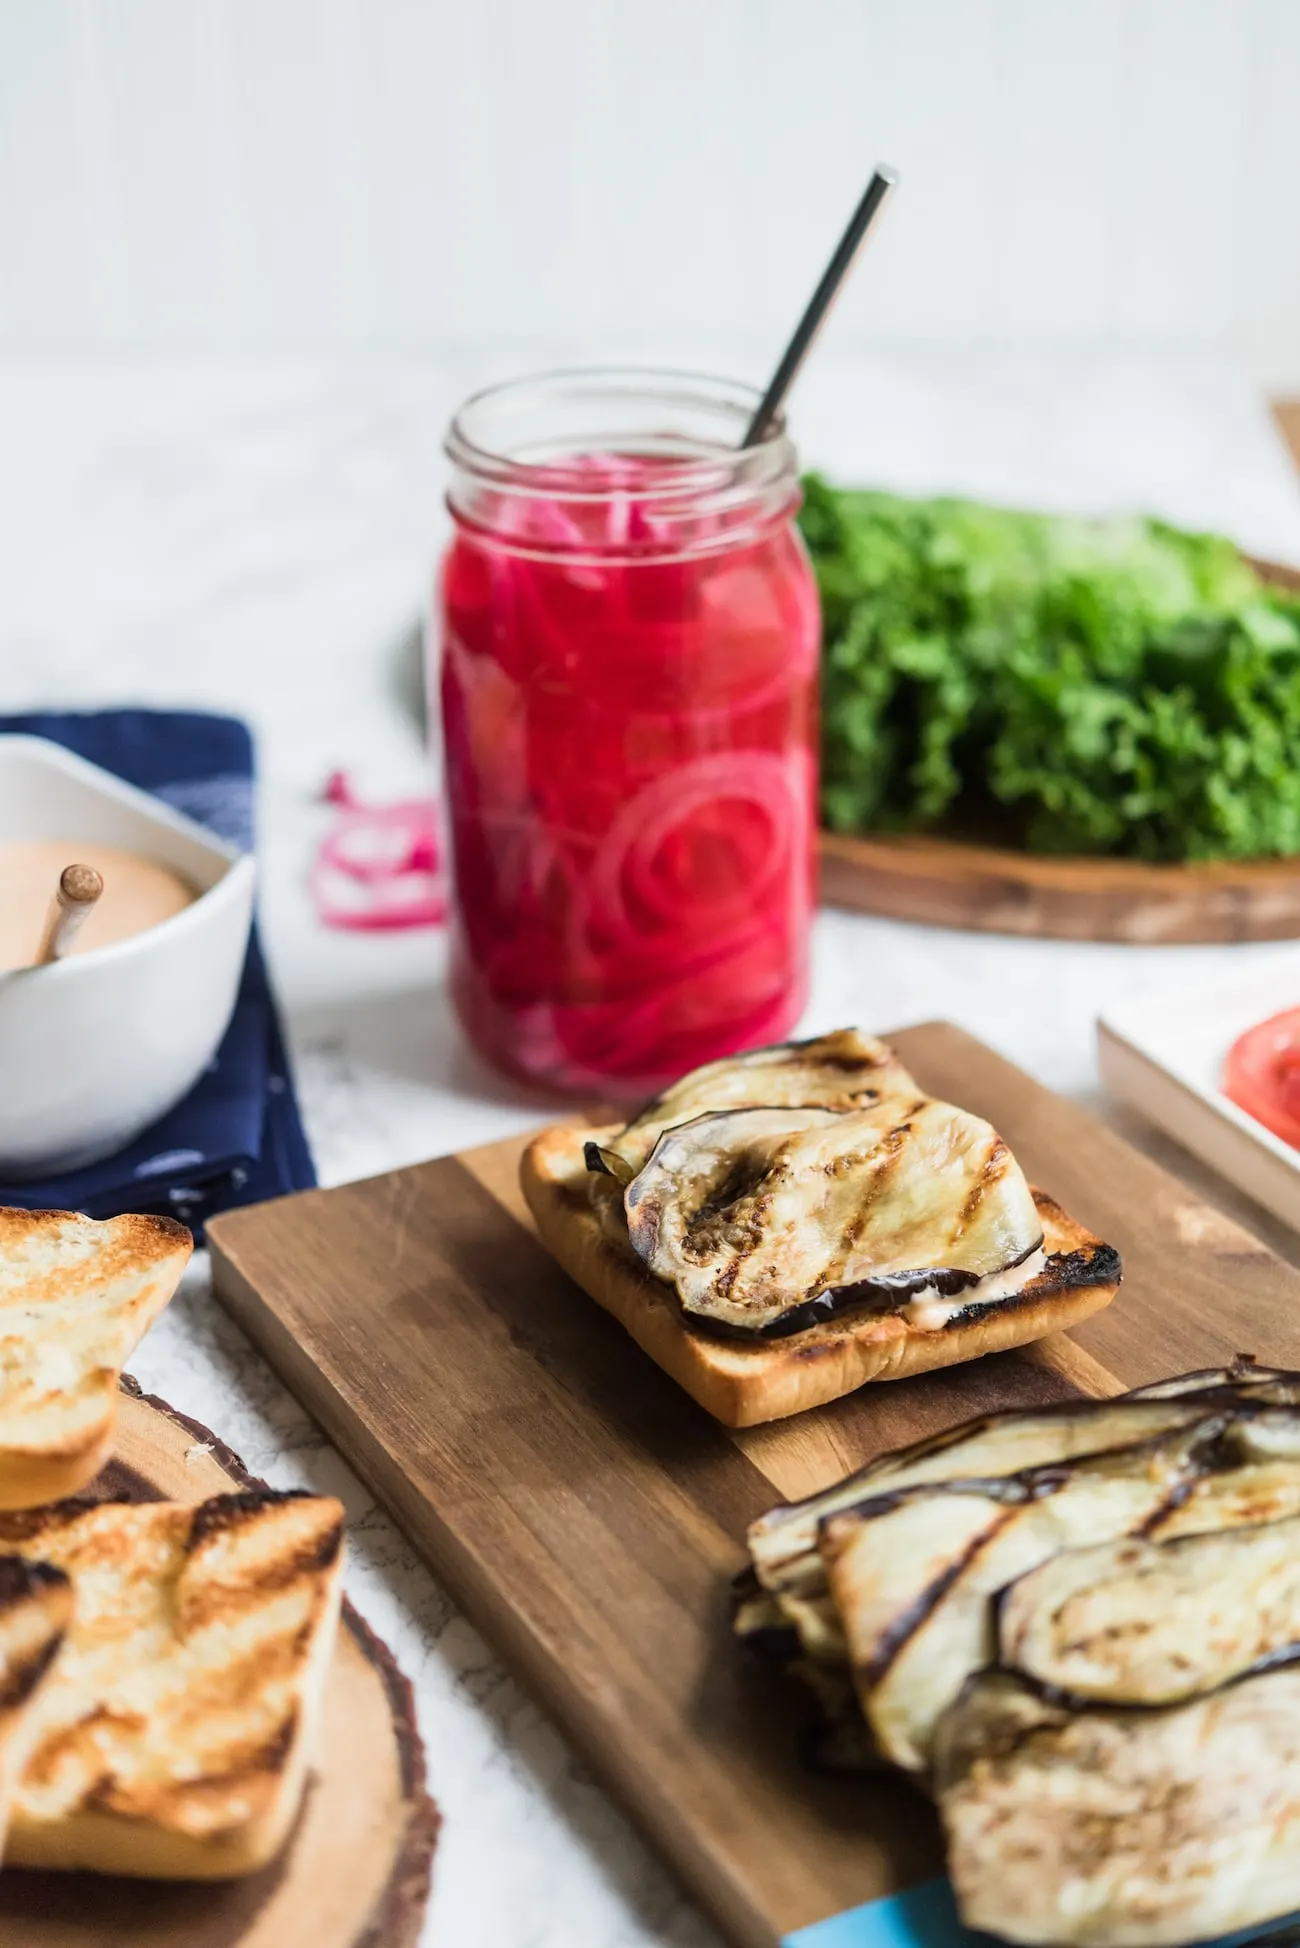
1079	1629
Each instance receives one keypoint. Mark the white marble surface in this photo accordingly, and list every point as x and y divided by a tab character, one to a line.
260	540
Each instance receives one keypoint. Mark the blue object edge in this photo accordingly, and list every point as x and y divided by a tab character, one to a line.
926	1917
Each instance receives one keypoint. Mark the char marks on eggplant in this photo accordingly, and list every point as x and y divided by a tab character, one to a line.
841	1071
912	1650
765	1220
1105	1828
1136	1622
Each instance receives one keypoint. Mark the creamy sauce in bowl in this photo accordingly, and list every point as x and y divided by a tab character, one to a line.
138	894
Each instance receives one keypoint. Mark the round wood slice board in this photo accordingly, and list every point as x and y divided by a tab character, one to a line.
356	1872
991	889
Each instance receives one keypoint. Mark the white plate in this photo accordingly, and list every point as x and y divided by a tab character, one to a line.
1163	1053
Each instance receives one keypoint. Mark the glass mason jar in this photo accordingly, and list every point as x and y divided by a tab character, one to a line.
629	636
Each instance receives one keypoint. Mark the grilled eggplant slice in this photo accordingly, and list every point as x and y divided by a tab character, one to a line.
838	1738
1229	1493
759	1621
1266	1432
783	1543
694	1201
1130	1776
892	1560
1234	1498
1242	1373
768	1220
912	1651
1122	1829
1152	1623
843	1070
813	1617
608	1163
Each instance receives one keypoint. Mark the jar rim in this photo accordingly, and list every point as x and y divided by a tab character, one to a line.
690	462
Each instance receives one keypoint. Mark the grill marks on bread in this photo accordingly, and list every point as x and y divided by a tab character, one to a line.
179	1692
35	1611
35	1607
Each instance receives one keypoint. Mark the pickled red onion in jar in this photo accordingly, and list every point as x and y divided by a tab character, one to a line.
629	650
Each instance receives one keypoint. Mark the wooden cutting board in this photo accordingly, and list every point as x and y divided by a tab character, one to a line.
355	1873
588	1515
949	882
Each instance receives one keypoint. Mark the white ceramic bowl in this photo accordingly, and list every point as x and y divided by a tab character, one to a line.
95	1047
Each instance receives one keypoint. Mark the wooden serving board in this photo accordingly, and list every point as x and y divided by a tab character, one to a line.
995	889
588	1515
355	1873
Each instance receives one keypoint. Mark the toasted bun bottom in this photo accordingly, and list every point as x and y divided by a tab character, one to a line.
89	1290
93	1841
34	1616
744	1384
30	1480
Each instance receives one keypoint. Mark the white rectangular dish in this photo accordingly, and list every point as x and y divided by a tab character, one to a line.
1163	1053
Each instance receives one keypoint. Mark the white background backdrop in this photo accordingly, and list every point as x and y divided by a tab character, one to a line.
415	176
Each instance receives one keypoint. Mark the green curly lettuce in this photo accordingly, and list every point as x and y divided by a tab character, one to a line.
1070	686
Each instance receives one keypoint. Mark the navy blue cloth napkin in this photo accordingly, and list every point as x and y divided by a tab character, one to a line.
237	1137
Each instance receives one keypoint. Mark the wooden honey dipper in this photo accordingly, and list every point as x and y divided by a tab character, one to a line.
74	897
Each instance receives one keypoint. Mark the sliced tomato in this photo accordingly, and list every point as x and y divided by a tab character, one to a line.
1262	1075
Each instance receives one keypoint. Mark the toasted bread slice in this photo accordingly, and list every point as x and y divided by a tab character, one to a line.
174	1736
35	1609
743	1383
76	1298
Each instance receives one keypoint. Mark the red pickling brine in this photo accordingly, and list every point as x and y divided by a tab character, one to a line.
629	638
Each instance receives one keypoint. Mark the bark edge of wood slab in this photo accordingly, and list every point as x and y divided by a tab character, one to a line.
382	1860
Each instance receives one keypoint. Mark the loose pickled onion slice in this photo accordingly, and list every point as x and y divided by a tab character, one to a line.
379	869
1262	1075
